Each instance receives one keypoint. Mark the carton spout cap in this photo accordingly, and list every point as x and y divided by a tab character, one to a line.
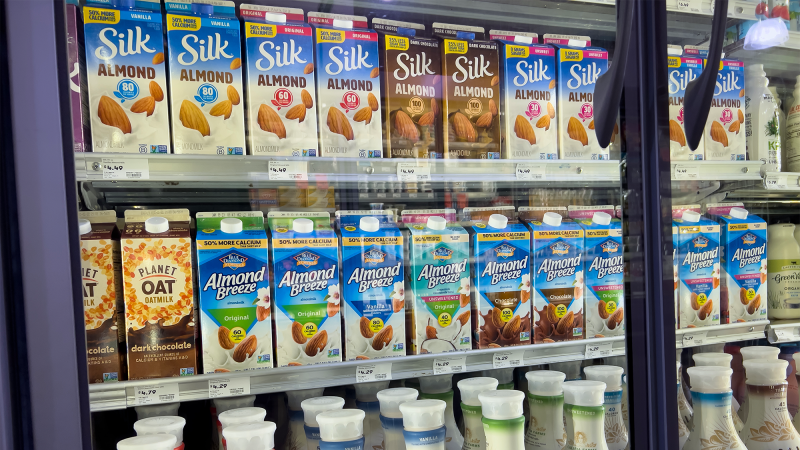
739	213
230	225
275	17
690	216
552	219
156	225
437	223
601	218
84	226
369	224
303	225
498	221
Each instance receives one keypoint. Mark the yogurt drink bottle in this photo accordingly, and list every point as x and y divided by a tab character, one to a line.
720	360
149	442
768	421
504	377
503	422
162	425
341	429
546	403
367	401
783	272
311	408
251	436
615	431
584	415
470	388
391	418
440	387
240	416
219	406
296	436
754	352
423	424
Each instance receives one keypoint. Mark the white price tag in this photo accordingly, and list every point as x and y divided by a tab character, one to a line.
776	182
694	339
527	171
374	372
125	169
157	393
783	336
511	358
228	387
288	170
412	172
601	350
686	172
690	6
449	365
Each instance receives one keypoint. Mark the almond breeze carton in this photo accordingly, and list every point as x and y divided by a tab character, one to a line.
233	283
126	76
79	102
579	67
280	81
682	70
373	289
698	270
305	260
349	93
205	77
529	94
725	137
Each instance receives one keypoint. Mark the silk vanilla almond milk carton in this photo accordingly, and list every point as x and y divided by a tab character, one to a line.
698	270
205	77
282	118
305	258
528	73
126	76
725	137
682	70
579	67
348	83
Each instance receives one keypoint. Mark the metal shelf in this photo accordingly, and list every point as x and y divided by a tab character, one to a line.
780	331
111	396
715	170
720	334
782	61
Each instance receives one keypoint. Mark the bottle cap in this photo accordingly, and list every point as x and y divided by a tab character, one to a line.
295	398
765	372
303	225
759	352
162	409
552	219
230	225
710	378
545	383
754	68
739	213
229	403
161	425
471	387
437	223
601	218
150	442
313	406
423	415
498	221
250	436
341	425
690	216
436	384
501	405
368	392
391	399
156	225
610	375
584	392
241	415
84	226
369	224
275	17
504	376
712	359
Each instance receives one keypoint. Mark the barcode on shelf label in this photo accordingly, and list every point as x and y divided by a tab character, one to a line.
374	372
527	171
686	172
156	393
695	339
411	172
125	169
455	364
511	358
600	350
288	170
228	387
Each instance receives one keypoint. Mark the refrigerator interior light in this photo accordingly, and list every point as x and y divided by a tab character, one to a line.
765	34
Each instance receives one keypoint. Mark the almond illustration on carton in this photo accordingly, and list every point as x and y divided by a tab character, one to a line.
463	318
741	93
158	58
317	343
363	115
743	296
111	113
192	117
705	310
338	123
734	127
233	95
524	130
383	338
616	318
308	69
484	121
551	313
372	101
223	108
497	319
223	335
245	349
262	313
754	305
307	100
297	112
270	121
398	304
430	332
374	73
363	325
551	85
463	128
718	134
601	309
434	107
146	104
565	323
333	309
236	63
495	80
426	119
591	125
676	133
695	305
543	122
405	126
492	107
741	115
511	329
362	358
297	333
463	300
156	91
576	131
551	111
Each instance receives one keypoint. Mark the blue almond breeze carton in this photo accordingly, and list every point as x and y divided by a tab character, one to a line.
372	284
305	258
233	287
604	275
698	270
744	266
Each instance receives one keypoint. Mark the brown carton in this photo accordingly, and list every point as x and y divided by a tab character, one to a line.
159	302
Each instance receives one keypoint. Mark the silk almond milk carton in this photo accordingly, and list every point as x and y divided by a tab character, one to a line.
205	76
529	96
579	67
411	66
349	100
698	270
280	81
126	77
79	102
159	298
682	70
471	88
725	137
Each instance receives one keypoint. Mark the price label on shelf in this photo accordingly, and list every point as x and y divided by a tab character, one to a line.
228	387
776	182
288	170
374	372
125	169
600	350
511	358
154	394
686	172
526	171
695	339
456	364
413	172
783	336
692	6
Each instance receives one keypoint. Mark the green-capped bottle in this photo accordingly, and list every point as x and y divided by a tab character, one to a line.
546	403
503	422
585	415
615	430
474	438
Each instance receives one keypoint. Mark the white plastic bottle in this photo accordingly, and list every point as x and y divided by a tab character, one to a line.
474	439
440	387
711	398
219	406
720	360
311	408
161	409
781	118
423	424
615	430
761	122
392	418
768	425
505	377
684	407
162	425
240	416
150	442
754	352
793	131
367	401
341	429
621	361
783	269
296	435
503	422
250	436
572	369
546	404
683	429
796	358
584	415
